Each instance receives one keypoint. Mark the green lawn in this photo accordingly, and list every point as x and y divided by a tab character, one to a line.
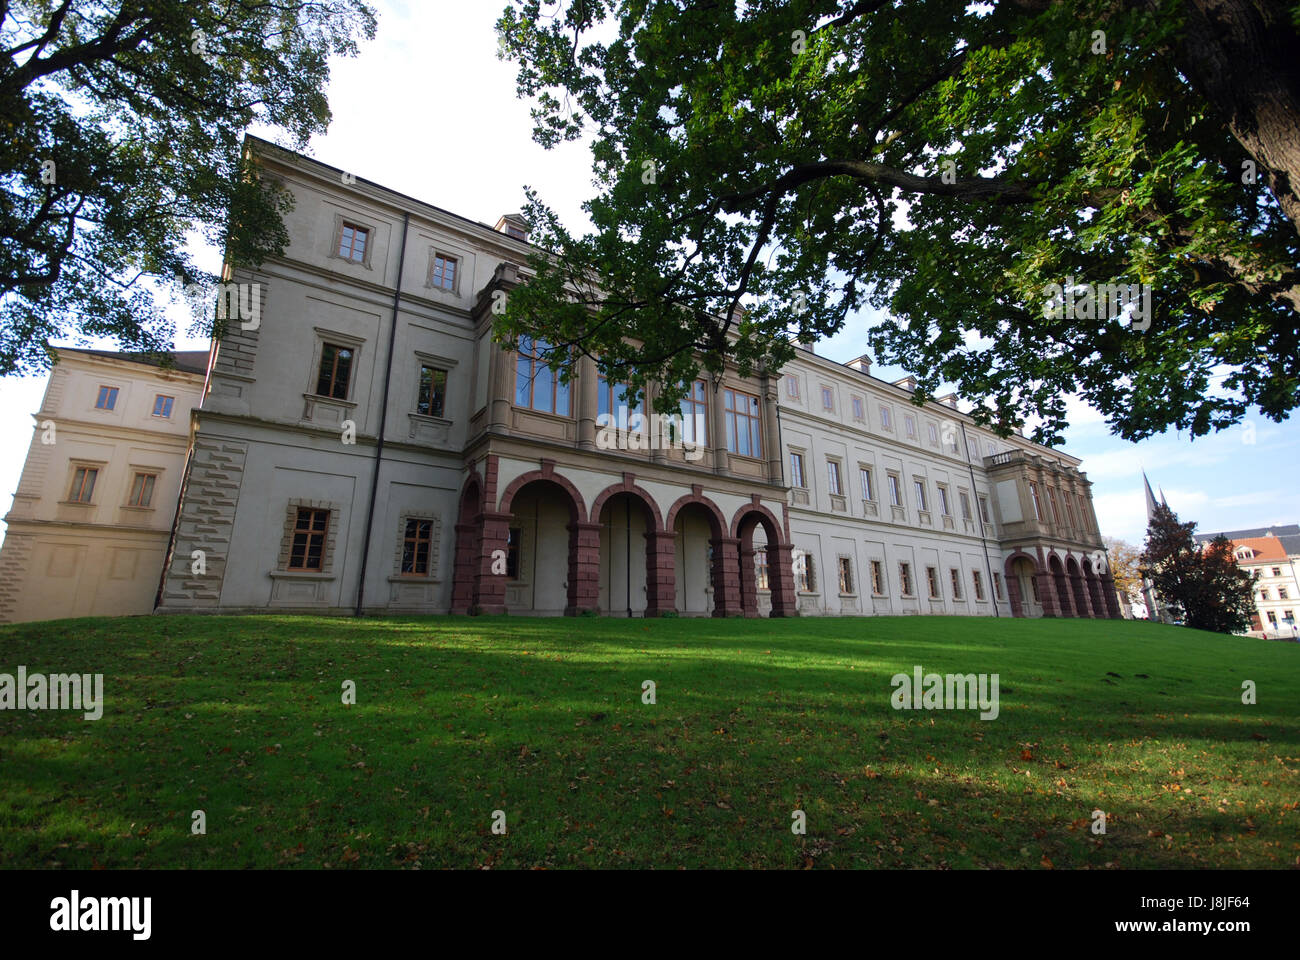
543	719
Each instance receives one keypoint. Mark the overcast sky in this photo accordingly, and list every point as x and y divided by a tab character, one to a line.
427	109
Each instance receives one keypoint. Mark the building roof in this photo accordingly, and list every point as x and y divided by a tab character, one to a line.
1288	534
186	361
1265	548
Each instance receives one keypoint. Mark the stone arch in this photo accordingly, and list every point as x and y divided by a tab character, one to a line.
1012	578
1077	588
629	486
1061	584
469	519
717	521
723	584
656	543
578	507
779	554
1096	587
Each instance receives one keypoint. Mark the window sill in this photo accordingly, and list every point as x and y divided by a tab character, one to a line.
301	575
136	506
77	503
321	398
413	578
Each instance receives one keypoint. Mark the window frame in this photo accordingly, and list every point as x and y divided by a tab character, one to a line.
367	239
732	417
168	407
106	398
77	492
325	346
417	540
844	570
310	533
437	279
534	365
433	384
148	483
834	481
797	476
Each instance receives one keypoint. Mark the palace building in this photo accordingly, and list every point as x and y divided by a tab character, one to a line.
362	445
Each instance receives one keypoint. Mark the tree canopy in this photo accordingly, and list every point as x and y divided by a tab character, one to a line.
1093	197
1202	585
121	128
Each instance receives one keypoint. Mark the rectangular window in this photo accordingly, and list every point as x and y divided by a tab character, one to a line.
803	574
695	421
433	391
335	371
142	490
611	402
846	575
760	569
964	499
1277	571
1056	511
415	547
537	385
932	581
934	435
107	399
1282	594
352	242
740	413
833	478
83	485
895	491
1272	618
885	422
984	509
828	399
796	470
444	272
978	579
162	406
513	538
954	576
877	578
308	550
997	585
919	486
905	578
868	491
943	501
1033	586
858	412
1069	509
792	387
910	423
1033	493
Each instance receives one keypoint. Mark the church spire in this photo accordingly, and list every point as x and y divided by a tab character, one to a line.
1151	497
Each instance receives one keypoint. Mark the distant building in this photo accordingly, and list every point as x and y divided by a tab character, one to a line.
88	529
1273	553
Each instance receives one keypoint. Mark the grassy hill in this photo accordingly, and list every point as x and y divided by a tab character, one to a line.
456	718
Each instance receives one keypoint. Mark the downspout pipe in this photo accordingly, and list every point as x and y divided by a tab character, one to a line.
979	518
383	419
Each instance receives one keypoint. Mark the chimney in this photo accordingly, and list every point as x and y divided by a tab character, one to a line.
513	225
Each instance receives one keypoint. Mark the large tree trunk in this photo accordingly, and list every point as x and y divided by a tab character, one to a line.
1243	56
